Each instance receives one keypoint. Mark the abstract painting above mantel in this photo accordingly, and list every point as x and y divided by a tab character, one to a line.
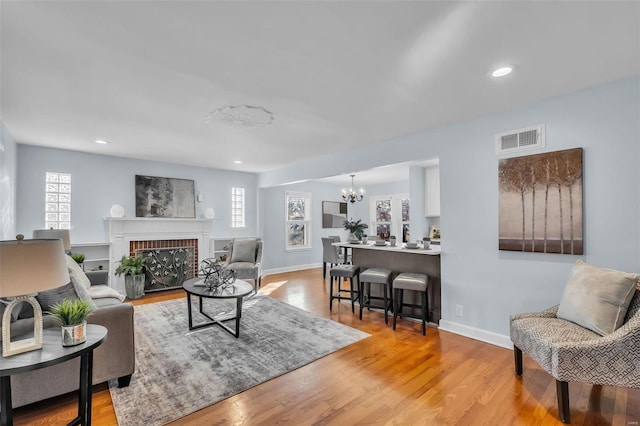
165	197
540	207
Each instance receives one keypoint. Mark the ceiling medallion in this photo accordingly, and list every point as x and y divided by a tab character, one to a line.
241	116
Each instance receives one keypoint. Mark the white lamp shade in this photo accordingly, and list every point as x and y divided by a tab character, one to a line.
48	234
31	266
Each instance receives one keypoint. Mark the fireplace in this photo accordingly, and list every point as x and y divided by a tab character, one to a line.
130	235
169	263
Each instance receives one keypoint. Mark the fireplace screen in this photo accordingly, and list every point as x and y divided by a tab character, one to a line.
167	268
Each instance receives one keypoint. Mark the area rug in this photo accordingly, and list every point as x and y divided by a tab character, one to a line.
179	372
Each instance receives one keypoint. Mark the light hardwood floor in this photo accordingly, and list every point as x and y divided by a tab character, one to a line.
399	378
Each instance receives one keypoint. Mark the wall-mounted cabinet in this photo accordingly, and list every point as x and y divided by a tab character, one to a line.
96	260
432	191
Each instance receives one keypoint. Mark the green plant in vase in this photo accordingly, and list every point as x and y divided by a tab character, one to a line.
355	227
72	314
132	267
78	257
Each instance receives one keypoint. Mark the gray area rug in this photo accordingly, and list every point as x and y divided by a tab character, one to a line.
179	372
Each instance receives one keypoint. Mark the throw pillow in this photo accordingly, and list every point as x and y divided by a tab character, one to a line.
597	298
244	250
76	272
14	313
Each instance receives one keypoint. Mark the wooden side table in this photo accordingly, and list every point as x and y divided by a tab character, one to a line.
53	353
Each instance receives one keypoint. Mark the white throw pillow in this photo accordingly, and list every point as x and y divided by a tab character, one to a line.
76	273
597	298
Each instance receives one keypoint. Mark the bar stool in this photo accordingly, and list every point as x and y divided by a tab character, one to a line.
415	282
343	272
376	276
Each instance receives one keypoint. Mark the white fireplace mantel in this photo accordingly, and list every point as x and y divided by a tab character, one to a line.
123	230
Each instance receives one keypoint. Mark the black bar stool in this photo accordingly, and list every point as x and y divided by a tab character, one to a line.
415	282
341	272
376	276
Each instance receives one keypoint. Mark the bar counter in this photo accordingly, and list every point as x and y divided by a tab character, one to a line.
400	259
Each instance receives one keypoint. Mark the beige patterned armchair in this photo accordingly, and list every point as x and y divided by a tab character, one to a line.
570	352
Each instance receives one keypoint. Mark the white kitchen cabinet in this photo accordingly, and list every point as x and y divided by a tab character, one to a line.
432	191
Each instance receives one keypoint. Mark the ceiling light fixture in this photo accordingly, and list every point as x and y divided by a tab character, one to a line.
241	116
501	72
238	162
101	142
351	195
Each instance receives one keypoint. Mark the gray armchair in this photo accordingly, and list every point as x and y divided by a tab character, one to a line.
569	352
245	258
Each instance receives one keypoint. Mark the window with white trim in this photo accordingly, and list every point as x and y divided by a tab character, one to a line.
57	213
390	216
297	220
237	207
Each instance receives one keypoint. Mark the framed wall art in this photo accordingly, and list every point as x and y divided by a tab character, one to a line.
540	207
165	197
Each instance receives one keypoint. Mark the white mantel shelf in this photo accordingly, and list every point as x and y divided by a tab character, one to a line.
123	230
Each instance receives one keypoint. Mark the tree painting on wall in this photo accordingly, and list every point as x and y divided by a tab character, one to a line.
541	203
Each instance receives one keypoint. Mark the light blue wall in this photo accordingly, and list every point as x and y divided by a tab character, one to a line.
272	212
99	181
8	184
491	284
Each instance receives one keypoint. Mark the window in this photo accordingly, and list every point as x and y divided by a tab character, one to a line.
297	220
57	200
237	207
390	216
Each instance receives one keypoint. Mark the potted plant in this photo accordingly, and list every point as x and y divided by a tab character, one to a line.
356	229
73	316
79	258
132	267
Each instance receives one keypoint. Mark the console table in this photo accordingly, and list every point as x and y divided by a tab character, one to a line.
53	353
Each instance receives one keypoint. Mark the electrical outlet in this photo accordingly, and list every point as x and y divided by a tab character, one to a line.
459	310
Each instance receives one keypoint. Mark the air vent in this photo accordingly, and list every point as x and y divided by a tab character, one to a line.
520	140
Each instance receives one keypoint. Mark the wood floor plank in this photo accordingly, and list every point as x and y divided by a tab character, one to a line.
391	378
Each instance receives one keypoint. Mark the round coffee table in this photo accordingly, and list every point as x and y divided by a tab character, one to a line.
238	290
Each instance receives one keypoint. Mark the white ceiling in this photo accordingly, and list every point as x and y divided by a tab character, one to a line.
143	75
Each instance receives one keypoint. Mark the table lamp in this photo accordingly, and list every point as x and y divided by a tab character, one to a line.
52	234
28	267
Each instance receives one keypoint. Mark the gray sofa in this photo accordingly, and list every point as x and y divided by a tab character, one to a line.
114	359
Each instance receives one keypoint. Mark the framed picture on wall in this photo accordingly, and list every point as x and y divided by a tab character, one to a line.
165	197
540	204
334	213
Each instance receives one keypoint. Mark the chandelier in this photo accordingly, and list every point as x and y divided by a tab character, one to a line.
351	195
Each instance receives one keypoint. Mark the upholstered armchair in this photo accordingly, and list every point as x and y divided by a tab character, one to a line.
245	258
571	352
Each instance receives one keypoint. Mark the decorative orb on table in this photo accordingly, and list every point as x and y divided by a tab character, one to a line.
217	277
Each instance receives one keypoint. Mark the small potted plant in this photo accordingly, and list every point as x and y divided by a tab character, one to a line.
356	229
132	267
72	314
79	258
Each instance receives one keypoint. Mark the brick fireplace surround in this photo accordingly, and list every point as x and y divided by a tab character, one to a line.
128	234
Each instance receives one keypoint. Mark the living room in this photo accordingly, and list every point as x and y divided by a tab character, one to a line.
602	118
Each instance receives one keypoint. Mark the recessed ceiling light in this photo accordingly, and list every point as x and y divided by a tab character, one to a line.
501	72
238	162
101	142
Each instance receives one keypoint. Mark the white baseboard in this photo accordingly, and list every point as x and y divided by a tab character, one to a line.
291	269
477	334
